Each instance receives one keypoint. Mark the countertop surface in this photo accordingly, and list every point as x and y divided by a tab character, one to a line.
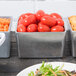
13	65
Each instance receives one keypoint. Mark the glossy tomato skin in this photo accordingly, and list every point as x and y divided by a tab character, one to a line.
30	20
21	21
55	15
28	14
40	23
40	14
47	20
32	28
57	28
21	28
43	28
23	16
60	22
27	21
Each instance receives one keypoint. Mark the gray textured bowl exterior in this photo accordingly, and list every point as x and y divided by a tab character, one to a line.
42	45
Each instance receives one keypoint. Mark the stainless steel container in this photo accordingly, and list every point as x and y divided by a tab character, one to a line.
5	43
73	41
68	39
42	44
73	34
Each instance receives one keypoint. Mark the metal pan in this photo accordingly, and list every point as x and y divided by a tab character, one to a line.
73	40
42	45
5	46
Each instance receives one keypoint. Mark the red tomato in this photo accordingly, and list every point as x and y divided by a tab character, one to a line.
40	14
32	28
55	15
40	23
60	22
23	16
30	20
43	28
27	21
47	20
57	28
21	21
28	14
21	28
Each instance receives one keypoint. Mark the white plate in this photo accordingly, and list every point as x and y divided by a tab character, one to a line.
67	66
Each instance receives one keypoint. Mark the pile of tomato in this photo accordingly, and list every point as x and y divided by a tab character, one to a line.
40	22
4	24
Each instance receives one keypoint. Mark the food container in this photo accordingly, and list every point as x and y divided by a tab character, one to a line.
2	38
73	41
5	42
42	44
68	39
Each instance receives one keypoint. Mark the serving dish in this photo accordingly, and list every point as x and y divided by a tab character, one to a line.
67	66
73	40
43	45
5	47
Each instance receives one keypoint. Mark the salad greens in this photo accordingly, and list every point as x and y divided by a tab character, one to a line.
48	70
